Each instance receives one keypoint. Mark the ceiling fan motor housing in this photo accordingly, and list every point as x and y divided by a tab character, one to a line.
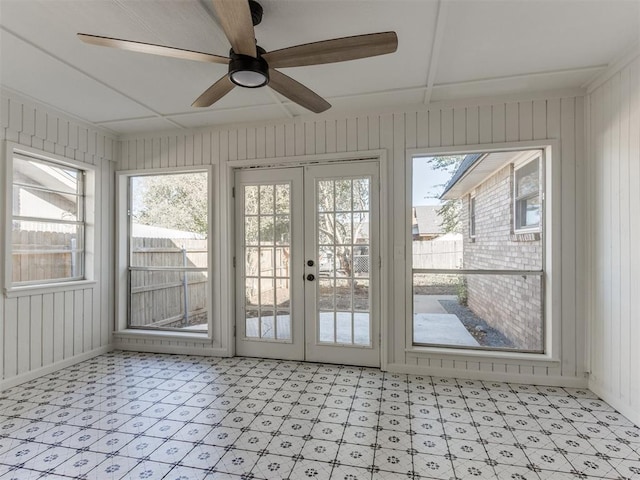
246	71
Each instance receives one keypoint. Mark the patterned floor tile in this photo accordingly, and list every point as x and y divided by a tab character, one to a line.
273	467
140	415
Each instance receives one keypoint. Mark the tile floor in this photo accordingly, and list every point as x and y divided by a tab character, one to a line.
135	415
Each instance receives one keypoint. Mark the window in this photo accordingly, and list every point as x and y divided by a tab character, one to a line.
168	252
526	194
485	292
48	208
472	217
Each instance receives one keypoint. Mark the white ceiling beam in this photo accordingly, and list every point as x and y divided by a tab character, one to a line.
594	69
589	69
436	47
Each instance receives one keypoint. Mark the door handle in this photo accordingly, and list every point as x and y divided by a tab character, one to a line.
310	263
311	277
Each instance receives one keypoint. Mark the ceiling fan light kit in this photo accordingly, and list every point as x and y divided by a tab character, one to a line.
252	67
248	72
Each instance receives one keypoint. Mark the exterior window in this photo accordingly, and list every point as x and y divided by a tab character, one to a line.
486	295
472	217
527	207
168	252
48	212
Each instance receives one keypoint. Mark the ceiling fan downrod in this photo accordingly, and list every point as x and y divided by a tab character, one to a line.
256	12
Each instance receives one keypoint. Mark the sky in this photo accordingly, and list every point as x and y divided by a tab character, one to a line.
427	182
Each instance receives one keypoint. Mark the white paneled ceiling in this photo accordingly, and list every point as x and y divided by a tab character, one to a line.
447	49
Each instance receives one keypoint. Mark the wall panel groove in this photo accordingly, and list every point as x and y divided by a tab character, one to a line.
39	329
614	177
459	125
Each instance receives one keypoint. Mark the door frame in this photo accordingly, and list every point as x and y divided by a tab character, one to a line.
227	242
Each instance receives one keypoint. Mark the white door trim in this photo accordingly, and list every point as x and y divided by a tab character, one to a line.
228	240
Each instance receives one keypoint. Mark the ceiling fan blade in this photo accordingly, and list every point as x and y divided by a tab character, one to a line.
152	49
214	93
235	19
336	50
297	92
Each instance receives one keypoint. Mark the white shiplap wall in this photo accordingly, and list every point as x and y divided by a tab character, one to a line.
58	326
614	230
538	117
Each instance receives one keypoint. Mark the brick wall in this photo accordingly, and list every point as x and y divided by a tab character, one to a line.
511	304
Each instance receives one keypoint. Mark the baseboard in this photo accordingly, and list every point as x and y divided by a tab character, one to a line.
67	362
624	409
174	349
574	382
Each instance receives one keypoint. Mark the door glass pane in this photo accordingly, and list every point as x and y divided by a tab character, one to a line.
267	248
343	251
251	200
266	199
251	230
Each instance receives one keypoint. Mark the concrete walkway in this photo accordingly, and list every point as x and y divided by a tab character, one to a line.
441	329
433	325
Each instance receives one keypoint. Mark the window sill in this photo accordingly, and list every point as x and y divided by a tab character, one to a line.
151	334
26	290
488	355
525	236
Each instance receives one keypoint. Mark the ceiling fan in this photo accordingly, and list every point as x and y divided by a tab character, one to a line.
251	66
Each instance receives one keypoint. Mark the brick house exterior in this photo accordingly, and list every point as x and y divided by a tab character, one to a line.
509	303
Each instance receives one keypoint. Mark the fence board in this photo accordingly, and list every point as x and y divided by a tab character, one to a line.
158	297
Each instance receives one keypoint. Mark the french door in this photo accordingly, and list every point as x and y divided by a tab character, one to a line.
307	263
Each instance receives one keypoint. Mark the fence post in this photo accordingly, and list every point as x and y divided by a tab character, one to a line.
185	288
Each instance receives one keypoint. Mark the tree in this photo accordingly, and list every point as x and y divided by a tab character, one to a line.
180	202
343	215
450	210
176	201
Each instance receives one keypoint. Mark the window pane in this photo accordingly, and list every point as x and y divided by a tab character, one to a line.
463	217
159	300
479	311
471	230
528	212
266	199
43	251
251	199
45	175
528	179
169	225
32	202
282	198
43	195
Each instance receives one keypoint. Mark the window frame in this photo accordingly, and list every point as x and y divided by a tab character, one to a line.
472	216
552	320
87	196
516	199
122	300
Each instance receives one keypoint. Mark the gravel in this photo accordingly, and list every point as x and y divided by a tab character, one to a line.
485	334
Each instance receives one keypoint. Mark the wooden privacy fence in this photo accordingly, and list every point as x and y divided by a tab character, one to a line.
168	282
37	255
438	253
